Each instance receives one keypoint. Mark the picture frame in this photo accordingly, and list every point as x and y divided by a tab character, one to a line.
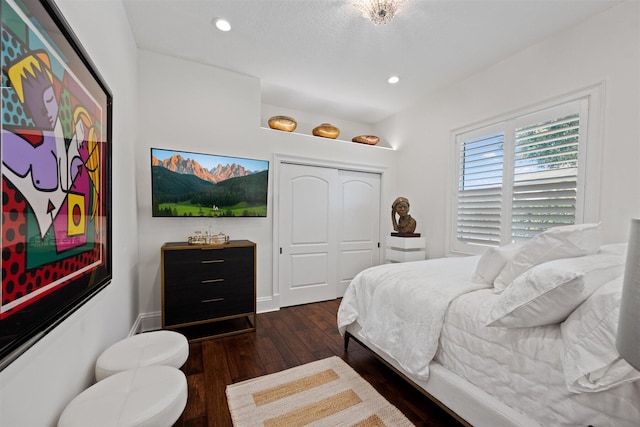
187	184
56	175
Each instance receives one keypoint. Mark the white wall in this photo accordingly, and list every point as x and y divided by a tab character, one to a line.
603	48
192	107
38	385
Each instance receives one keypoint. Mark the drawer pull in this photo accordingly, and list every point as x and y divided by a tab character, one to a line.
212	261
213	300
211	281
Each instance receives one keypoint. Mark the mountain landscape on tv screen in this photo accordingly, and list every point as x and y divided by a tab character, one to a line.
183	187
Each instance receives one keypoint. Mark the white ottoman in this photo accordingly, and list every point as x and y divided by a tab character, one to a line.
148	396
146	349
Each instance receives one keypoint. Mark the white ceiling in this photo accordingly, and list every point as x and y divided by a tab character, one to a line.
323	56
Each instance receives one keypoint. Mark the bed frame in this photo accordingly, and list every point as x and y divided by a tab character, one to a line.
467	403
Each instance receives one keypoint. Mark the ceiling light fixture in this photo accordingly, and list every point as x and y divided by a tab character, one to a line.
393	80
222	24
378	11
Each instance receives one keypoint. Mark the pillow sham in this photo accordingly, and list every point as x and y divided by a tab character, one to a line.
554	243
591	362
549	292
492	262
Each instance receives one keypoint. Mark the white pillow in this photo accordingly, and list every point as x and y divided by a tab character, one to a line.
554	243
591	362
492	262
549	292
615	248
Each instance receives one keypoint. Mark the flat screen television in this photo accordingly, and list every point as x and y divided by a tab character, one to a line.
186	184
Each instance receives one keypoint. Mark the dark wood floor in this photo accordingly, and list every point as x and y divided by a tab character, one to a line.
284	339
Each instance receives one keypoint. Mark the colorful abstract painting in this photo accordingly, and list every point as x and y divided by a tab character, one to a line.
55	173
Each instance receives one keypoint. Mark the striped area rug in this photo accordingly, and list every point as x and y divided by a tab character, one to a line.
327	392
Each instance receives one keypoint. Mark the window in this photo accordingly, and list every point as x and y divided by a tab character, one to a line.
520	176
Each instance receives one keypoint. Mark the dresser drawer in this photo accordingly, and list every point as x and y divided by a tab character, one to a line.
209	301
199	264
193	258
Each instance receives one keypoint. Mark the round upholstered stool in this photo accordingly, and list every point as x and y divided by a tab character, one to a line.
150	348
147	396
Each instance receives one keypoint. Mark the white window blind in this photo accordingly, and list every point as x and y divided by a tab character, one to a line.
521	176
480	190
545	176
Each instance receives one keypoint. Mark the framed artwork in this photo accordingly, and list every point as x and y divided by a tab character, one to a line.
56	175
186	184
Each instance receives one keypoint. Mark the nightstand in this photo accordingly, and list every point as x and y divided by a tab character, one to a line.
403	249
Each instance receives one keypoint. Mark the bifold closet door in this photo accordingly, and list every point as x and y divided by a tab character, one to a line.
328	222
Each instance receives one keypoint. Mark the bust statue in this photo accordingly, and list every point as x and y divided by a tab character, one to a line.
405	224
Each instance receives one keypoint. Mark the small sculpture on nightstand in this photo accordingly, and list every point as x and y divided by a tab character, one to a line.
405	225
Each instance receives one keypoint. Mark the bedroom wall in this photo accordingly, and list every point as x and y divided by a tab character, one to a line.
193	107
38	385
604	48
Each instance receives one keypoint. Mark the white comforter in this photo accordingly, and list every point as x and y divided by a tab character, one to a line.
522	367
401	307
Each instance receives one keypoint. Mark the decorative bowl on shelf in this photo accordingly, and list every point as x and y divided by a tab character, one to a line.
366	139
284	123
326	130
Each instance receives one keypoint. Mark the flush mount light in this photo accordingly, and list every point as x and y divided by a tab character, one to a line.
221	24
393	80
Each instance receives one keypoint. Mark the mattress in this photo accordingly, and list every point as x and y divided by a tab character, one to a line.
522	368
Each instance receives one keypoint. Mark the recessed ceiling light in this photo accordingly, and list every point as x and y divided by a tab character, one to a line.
222	24
393	80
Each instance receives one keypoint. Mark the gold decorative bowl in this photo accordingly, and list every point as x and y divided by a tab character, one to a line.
284	123
326	130
366	139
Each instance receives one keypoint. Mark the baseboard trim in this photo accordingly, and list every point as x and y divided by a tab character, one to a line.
146	322
267	304
136	327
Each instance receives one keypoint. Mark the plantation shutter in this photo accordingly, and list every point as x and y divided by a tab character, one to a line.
545	176
480	190
520	177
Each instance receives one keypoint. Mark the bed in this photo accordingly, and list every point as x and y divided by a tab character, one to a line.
520	336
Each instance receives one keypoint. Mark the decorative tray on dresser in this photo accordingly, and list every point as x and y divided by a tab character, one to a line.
208	290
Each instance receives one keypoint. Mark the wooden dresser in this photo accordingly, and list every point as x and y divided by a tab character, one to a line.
209	290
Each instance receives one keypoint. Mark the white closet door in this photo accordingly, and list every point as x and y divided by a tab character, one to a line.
307	227
359	225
